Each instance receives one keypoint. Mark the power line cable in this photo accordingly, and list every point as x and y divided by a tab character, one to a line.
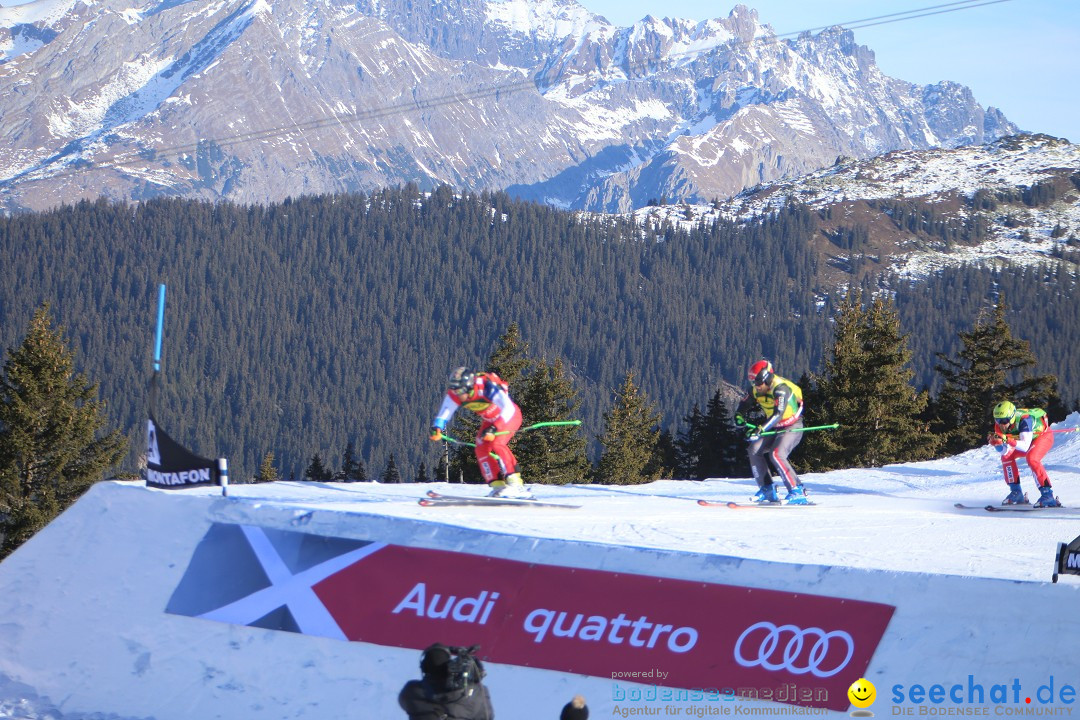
903	15
140	155
927	14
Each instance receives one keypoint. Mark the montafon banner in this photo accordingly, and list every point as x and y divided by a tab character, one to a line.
1067	560
170	465
655	631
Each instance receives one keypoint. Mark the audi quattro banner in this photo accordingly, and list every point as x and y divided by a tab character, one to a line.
697	636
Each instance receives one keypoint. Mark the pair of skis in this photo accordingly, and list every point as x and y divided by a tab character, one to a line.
434	499
959	506
753	506
1010	508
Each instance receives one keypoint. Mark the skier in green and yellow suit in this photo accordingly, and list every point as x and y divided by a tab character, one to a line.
1023	433
782	402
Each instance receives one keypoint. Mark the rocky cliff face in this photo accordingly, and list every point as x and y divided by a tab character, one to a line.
258	100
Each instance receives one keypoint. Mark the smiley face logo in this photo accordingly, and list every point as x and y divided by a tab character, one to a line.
862	693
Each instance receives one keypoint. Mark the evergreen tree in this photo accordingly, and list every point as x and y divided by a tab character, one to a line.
722	451
665	457
630	439
866	389
391	474
992	366
267	471
352	467
50	448
510	358
711	446
316	470
442	470
552	455
421	475
688	446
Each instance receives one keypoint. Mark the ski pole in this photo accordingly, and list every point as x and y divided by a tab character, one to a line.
447	438
541	425
551	423
454	440
537	426
1065	430
804	429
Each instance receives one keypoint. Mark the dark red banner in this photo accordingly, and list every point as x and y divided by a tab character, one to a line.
793	648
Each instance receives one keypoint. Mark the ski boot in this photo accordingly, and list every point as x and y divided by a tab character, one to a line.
512	488
796	496
1016	496
766	494
1047	498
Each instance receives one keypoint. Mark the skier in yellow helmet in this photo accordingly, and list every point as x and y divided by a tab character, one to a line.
1023	433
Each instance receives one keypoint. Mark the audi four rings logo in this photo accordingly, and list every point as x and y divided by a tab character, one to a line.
791	658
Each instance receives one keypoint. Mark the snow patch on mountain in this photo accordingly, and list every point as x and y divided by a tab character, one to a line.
25	29
141	86
1018	234
39	12
549	19
19	42
1003	165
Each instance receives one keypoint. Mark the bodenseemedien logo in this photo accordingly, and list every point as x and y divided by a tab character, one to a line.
862	695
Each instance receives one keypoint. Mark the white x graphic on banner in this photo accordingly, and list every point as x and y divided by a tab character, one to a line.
293	591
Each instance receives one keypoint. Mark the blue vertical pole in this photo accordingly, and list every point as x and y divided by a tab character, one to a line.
160	325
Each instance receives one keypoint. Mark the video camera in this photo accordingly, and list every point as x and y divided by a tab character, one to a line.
457	666
464	669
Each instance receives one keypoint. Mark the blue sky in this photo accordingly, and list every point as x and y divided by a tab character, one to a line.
1021	56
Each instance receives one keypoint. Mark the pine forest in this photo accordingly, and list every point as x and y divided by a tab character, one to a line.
325	327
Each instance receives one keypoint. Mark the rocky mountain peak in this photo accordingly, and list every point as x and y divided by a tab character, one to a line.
257	100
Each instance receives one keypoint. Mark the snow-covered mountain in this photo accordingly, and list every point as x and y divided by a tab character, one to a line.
991	184
258	100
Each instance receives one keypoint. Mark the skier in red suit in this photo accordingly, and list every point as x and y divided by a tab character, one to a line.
487	395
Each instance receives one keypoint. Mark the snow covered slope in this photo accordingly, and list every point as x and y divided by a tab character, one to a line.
84	627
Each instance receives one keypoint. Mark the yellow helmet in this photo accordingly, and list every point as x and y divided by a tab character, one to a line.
1004	412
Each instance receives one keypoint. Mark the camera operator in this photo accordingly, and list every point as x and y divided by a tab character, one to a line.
450	688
